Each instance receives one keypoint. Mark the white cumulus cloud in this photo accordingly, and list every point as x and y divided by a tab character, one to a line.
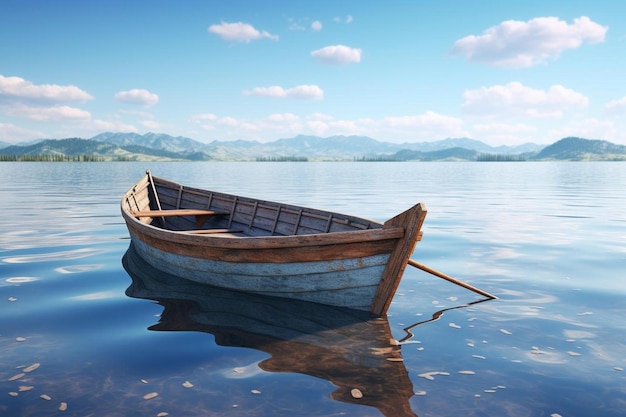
517	99
206	117
239	32
337	55
11	133
320	117
616	105
523	44
500	129
228	121
304	92
316	26
60	113
424	126
589	128
317	127
283	117
47	113
21	89
429	119
98	126
137	96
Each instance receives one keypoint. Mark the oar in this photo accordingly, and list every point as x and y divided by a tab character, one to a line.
450	279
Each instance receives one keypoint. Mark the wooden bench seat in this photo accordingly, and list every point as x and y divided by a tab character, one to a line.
178	212
211	231
200	215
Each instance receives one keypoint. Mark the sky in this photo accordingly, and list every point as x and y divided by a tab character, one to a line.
504	72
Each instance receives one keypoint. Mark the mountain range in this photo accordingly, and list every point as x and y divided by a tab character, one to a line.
159	146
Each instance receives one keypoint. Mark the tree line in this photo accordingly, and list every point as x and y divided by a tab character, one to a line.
489	157
50	158
283	159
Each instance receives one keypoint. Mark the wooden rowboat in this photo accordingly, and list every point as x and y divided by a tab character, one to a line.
270	248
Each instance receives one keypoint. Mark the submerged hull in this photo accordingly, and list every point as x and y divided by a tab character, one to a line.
270	248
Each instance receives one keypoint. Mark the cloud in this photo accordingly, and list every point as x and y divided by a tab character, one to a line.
283	117
587	128
523	44
329	125
210	121
423	126
337	55
58	113
345	126
153	125
320	117
137	96
516	99
512	129
504	133
206	120
46	114
16	134
348	19
295	25
239	32
316	26
136	113
98	126
304	92
23	90
616	105
228	121
429	119
317	127
206	117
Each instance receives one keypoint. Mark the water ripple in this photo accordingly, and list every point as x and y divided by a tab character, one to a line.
55	256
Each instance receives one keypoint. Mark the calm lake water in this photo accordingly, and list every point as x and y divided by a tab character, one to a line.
78	328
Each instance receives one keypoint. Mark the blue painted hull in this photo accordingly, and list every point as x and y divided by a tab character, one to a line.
343	282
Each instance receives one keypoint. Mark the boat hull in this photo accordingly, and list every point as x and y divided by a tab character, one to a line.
350	282
328	258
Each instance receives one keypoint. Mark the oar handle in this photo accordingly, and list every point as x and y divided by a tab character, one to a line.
449	278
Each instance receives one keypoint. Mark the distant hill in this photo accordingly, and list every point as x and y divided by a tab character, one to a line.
69	147
76	147
161	147
311	147
450	154
577	149
174	144
471	144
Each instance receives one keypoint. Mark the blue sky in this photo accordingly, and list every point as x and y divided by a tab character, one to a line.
504	72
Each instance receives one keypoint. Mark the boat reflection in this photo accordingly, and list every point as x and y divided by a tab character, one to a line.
349	348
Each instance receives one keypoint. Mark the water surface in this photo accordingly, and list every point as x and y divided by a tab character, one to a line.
549	239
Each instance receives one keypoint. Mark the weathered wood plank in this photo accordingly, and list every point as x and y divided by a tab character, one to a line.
211	231
317	281
201	216
197	198
412	220
261	250
178	212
